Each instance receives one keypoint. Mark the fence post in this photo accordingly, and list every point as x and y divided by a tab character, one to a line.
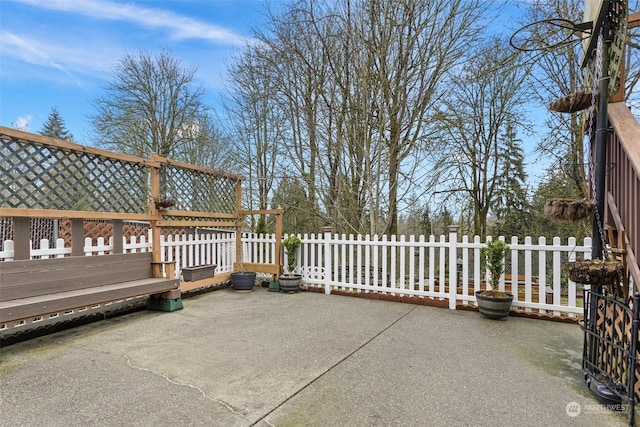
117	225
77	237
327	259
453	264
21	238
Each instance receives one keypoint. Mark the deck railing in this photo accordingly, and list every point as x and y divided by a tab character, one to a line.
623	182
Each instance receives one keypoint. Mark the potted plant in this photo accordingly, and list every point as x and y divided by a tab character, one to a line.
243	281
568	209
164	202
594	271
290	282
493	303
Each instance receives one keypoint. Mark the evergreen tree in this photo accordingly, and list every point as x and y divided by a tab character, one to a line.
54	127
425	221
299	213
511	208
441	221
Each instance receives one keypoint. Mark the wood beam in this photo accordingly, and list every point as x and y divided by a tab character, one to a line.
258	268
212	224
202	283
30	138
64	214
194	214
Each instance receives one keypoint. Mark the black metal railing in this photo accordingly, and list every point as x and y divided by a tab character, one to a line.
610	354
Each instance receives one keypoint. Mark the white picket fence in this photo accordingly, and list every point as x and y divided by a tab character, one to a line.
424	267
185	250
415	266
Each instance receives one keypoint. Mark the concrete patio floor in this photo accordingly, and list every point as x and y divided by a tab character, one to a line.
302	359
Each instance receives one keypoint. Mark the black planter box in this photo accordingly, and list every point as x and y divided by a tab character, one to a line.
191	274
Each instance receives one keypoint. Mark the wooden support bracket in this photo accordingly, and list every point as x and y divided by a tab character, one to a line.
169	267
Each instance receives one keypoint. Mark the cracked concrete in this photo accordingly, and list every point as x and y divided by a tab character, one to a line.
226	405
182	384
303	359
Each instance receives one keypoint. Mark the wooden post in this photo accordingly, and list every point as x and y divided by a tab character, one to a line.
239	219
156	230
160	267
117	236
77	237
278	249
21	238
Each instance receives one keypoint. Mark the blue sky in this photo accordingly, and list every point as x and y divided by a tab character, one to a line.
61	53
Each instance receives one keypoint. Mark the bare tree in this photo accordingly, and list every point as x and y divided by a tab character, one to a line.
557	72
150	106
632	64
357	82
415	44
210	146
484	104
258	124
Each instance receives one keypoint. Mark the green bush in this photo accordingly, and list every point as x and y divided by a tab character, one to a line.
291	245
493	254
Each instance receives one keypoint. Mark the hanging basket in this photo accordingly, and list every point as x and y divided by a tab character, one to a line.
164	202
568	209
594	272
573	102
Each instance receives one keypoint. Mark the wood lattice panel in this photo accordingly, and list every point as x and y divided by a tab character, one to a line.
198	191
614	324
37	176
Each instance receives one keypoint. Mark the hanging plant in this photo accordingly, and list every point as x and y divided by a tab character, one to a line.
594	272
573	102
165	202
568	209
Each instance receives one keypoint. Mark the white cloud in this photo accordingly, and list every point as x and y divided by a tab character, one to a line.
180	27
38	52
22	123
95	35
